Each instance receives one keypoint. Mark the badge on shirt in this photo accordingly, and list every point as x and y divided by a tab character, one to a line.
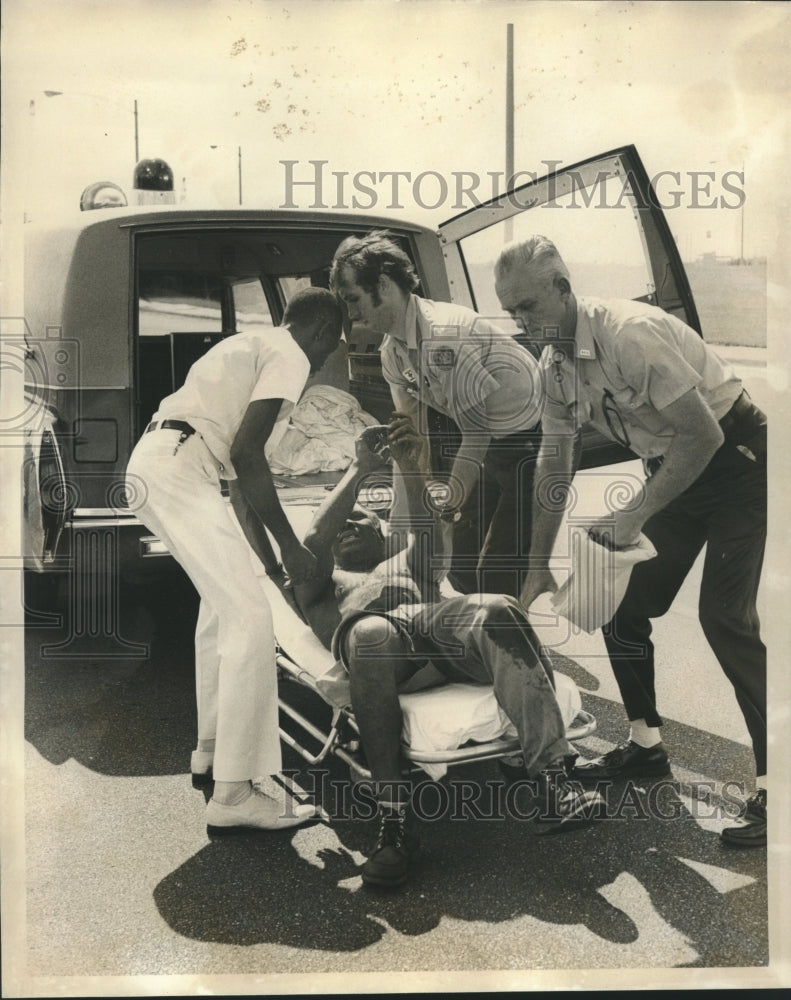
409	375
585	353
442	357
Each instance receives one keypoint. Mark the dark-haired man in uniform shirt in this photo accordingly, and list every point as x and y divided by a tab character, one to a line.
447	357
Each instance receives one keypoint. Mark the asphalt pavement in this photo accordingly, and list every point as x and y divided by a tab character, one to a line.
124	893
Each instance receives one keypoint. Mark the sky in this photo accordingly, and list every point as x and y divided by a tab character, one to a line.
415	86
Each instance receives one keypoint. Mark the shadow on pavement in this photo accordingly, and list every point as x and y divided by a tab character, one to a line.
118	715
247	890
136	717
612	878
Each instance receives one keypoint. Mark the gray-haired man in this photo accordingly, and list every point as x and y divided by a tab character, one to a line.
647	380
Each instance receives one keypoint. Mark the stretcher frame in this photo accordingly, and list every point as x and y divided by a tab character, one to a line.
342	739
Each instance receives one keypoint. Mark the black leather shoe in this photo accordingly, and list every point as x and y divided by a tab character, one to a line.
625	761
751	829
388	863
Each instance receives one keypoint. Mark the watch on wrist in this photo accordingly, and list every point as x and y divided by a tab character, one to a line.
451	515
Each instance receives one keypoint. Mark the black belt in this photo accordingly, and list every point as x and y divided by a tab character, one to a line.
743	416
171	425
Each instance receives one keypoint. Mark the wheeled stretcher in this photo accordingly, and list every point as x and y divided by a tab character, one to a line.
443	725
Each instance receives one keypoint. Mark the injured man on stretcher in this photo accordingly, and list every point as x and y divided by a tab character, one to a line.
376	604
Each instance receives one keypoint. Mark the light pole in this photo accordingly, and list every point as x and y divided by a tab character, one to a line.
239	164
509	121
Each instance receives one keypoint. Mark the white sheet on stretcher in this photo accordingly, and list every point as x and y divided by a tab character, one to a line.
444	718
439	718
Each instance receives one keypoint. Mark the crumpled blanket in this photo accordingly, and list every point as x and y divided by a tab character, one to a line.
321	433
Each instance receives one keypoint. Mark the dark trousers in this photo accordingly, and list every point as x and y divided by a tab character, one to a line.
724	509
491	543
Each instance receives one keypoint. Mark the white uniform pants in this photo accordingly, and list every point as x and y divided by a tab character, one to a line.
236	683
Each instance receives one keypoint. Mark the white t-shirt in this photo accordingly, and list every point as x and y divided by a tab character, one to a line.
220	385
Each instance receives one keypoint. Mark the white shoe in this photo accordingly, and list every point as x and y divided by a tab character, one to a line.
201	764
258	811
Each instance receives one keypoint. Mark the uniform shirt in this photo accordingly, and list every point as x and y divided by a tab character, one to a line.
629	361
265	364
453	360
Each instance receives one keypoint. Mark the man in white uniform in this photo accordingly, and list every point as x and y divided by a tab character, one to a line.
445	356
234	402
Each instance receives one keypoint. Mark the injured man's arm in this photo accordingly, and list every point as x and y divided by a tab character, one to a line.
342	532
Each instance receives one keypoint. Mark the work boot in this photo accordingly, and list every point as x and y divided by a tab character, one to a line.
563	805
388	863
627	760
750	831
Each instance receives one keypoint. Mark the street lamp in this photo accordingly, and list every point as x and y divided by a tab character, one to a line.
239	162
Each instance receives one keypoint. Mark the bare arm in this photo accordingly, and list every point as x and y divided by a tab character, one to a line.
330	518
430	543
697	437
405	405
258	489
252	526
333	512
553	475
467	464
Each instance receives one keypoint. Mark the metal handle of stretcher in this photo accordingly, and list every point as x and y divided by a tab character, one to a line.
328	741
583	725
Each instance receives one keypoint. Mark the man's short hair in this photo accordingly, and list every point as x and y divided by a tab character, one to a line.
314	308
538	253
371	256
